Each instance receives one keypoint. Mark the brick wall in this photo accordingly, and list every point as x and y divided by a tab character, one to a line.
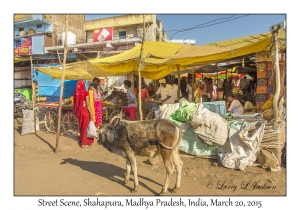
76	25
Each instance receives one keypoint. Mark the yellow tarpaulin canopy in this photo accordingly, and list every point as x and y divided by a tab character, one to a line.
17	59
162	58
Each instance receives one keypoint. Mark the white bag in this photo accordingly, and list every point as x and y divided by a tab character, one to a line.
91	130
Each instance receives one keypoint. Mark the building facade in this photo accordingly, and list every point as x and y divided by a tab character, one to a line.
126	27
34	32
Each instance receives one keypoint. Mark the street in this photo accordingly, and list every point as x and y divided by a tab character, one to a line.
94	170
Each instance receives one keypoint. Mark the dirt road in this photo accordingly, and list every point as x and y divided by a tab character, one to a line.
76	171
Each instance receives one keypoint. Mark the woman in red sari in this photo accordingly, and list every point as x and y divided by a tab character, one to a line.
82	112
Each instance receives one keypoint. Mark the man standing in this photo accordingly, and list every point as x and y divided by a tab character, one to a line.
132	104
183	86
175	89
243	84
234	105
144	96
166	92
204	91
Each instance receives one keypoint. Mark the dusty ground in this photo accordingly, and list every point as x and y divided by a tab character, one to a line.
75	171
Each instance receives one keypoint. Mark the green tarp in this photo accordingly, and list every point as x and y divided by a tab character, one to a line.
192	144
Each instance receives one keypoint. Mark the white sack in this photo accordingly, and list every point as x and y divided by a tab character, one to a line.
242	149
167	109
209	126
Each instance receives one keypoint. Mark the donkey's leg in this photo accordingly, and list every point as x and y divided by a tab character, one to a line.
178	165
167	157
132	161
128	169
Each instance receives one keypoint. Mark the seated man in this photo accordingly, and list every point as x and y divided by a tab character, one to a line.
248	106
234	105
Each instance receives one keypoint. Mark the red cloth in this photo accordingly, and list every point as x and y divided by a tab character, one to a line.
98	113
131	110
79	97
84	121
81	112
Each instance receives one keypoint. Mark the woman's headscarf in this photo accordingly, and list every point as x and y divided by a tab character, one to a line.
79	97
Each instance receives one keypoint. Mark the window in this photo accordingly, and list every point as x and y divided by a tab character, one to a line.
122	34
18	43
39	26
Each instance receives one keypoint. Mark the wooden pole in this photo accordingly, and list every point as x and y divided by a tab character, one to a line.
178	90
217	84
140	68
277	74
62	86
33	97
226	85
193	82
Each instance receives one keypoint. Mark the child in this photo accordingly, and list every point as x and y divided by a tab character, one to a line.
198	93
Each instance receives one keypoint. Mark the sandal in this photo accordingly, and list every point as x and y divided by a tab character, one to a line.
85	146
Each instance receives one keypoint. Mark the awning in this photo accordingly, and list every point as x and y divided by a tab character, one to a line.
19	59
162	58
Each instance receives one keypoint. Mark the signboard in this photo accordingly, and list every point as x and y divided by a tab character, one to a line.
103	34
25	48
18	18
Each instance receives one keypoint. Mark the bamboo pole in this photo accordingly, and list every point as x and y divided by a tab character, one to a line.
178	89
217	83
226	85
193	82
62	86
33	97
277	74
140	68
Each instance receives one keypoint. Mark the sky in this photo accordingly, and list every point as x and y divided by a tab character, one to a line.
212	27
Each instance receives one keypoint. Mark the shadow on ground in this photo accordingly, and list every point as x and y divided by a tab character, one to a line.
109	172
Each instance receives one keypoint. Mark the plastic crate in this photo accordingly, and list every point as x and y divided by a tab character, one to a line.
269	73
262	82
270	82
270	90
262	74
270	66
262	89
261	97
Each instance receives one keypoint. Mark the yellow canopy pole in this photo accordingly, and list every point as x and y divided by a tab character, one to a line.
33	98
61	87
217	84
178	89
140	68
193	82
277	74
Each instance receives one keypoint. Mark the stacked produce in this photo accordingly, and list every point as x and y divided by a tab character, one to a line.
107	103
236	91
116	97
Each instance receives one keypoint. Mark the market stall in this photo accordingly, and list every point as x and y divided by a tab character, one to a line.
161	59
111	107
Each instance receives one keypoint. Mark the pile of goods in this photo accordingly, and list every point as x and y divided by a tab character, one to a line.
117	97
107	103
237	91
